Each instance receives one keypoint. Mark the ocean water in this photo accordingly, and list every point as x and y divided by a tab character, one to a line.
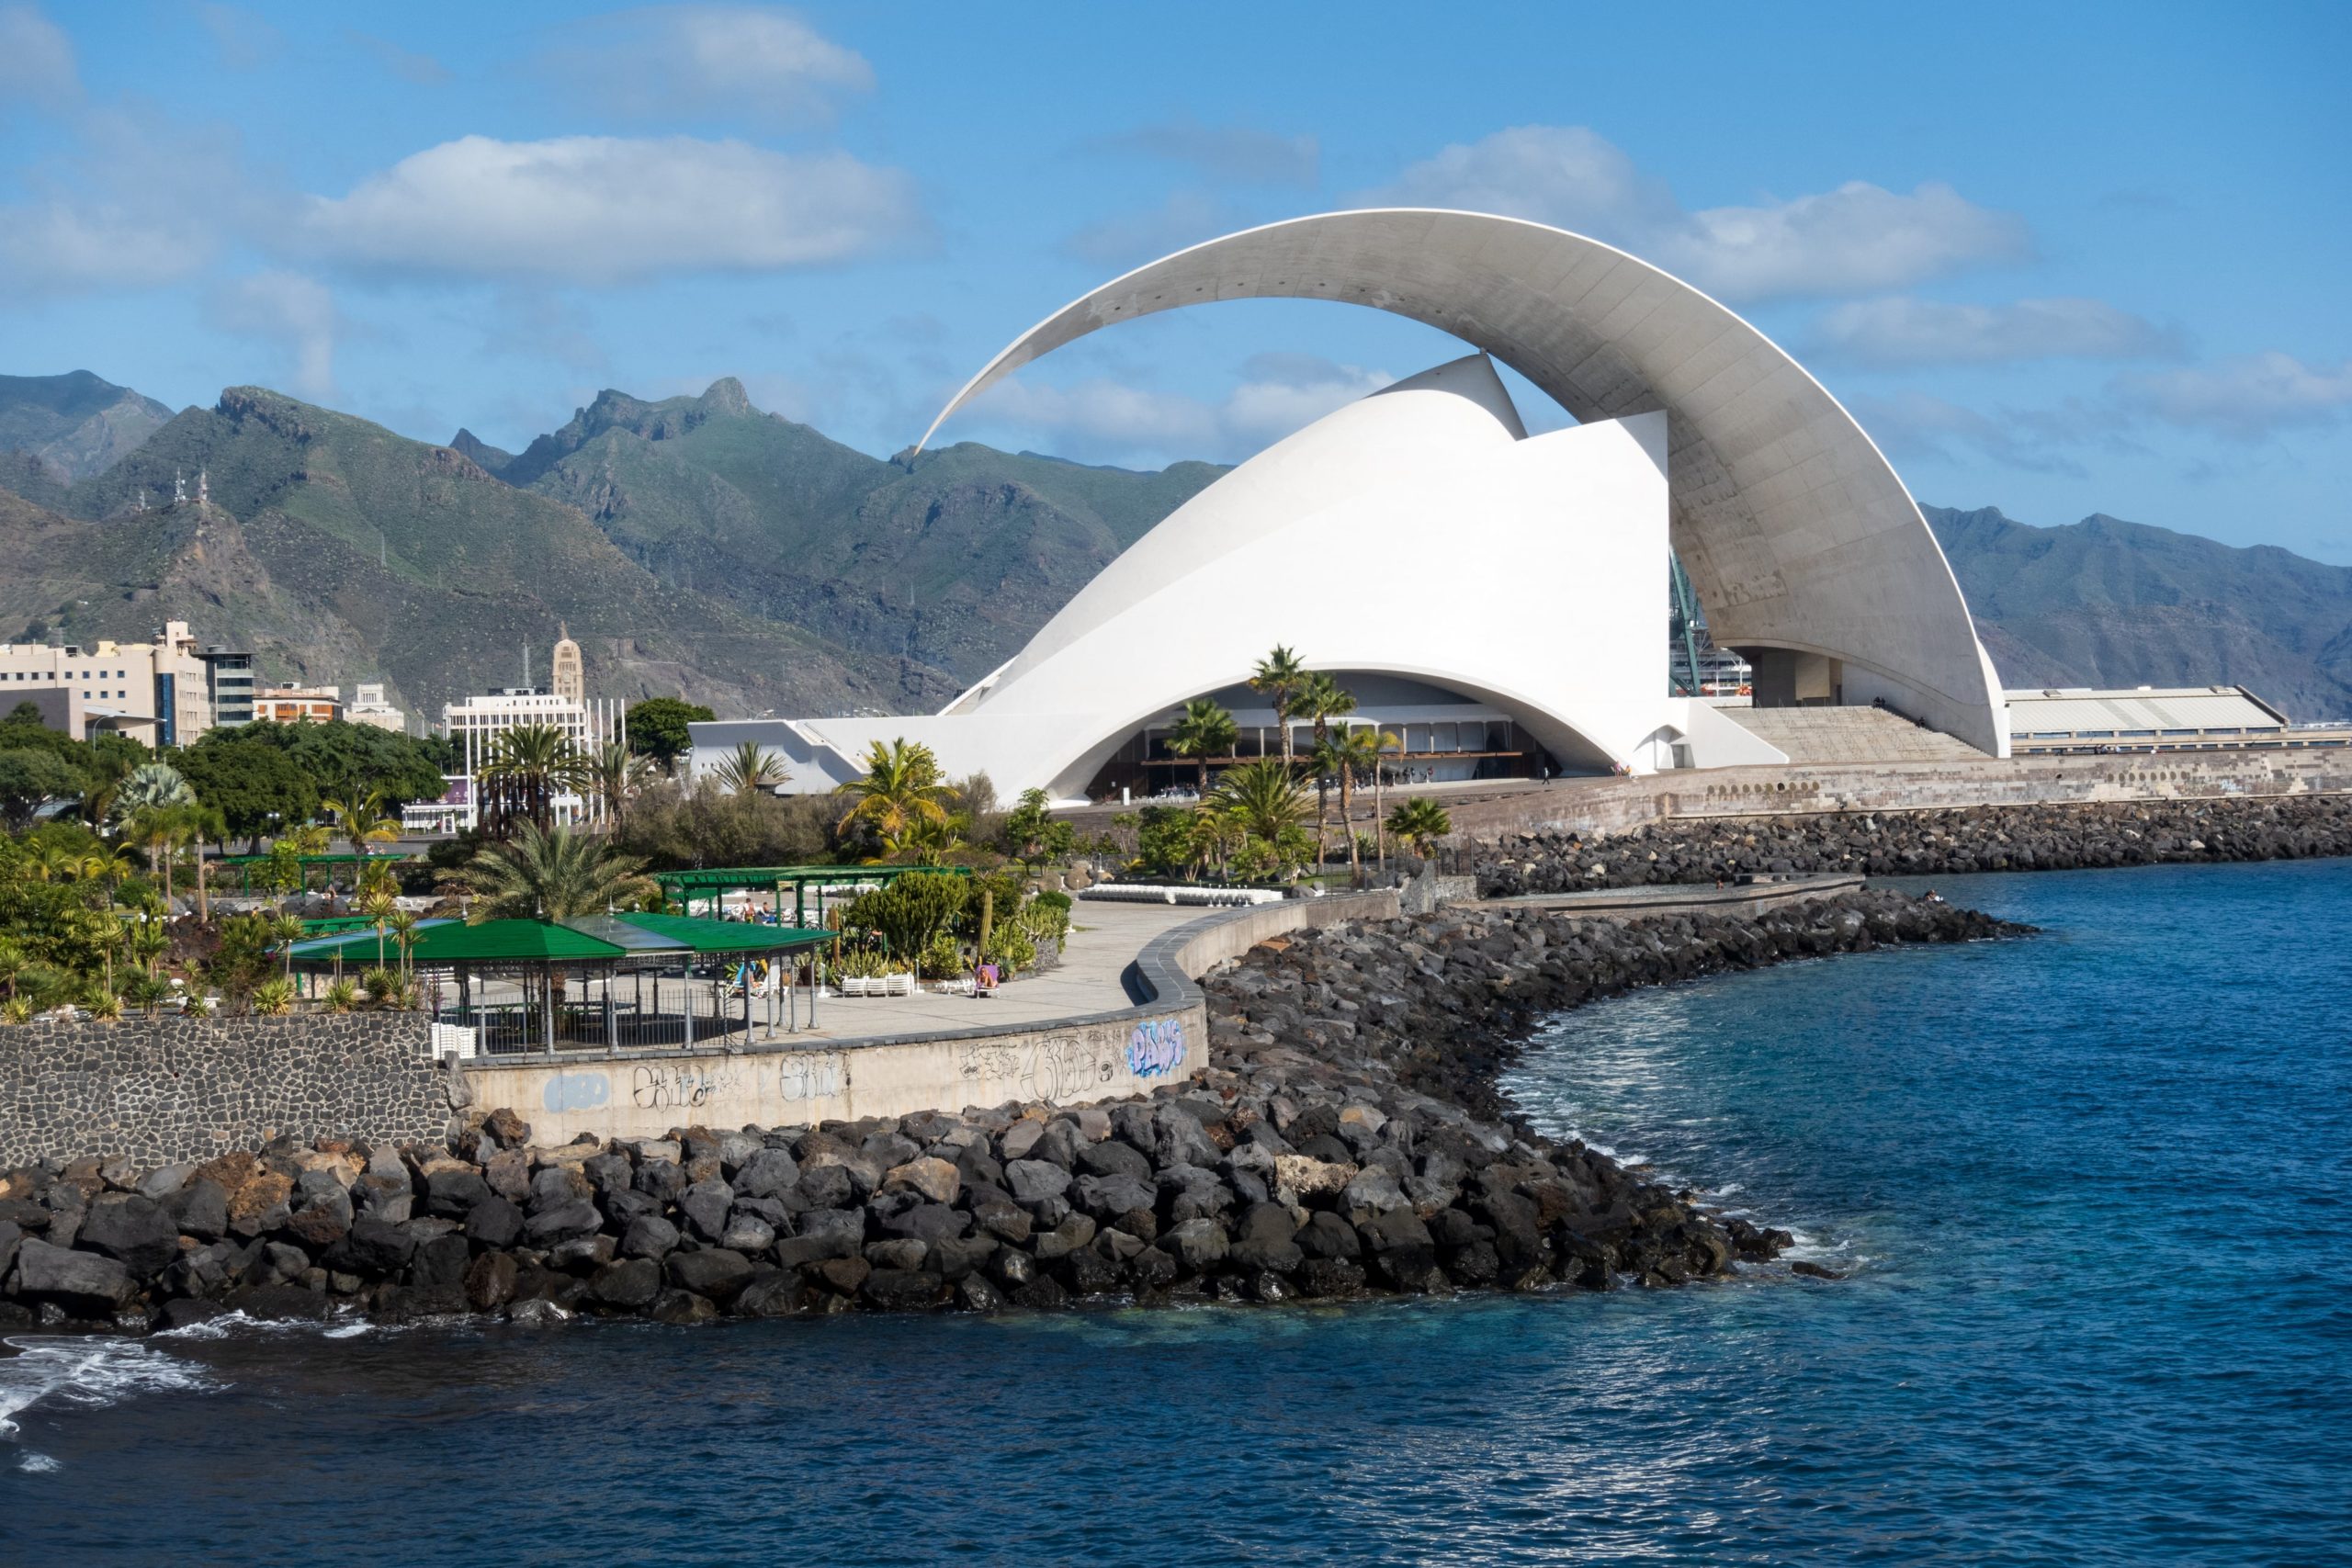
2090	1192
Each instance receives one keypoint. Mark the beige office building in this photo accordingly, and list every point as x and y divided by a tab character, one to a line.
156	692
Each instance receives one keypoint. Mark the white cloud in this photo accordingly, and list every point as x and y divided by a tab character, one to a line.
602	209
1103	421
1856	239
1186	218
2244	398
695	61
36	60
1223	152
137	201
293	311
1908	331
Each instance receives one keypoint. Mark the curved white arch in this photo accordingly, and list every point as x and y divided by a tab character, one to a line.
1796	531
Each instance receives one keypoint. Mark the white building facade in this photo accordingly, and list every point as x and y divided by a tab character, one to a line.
475	725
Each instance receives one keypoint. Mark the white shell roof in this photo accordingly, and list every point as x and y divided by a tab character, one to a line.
1794	529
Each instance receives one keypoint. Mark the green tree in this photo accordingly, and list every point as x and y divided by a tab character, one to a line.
350	760
1206	730
254	786
150	785
527	767
362	820
1279	676
1032	834
33	780
618	775
1419	822
657	728
555	875
1351	754
749	769
1322	699
1264	798
1164	837
902	786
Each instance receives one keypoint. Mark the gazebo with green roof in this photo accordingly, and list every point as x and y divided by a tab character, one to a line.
607	948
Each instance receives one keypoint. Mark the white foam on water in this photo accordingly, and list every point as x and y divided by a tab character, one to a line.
237	1323
88	1372
37	1464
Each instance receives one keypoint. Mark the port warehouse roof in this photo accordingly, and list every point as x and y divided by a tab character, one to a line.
591	939
2147	710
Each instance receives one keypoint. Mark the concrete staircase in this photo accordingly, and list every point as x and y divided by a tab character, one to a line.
1849	735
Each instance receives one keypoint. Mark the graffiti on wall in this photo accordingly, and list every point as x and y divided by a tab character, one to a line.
1155	1048
678	1088
1052	1069
814	1075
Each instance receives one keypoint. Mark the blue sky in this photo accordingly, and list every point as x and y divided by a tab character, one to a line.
2057	259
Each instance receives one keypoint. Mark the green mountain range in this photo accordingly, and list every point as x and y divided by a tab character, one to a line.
698	546
72	426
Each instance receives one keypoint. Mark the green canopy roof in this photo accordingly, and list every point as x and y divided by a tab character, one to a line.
594	939
454	942
726	936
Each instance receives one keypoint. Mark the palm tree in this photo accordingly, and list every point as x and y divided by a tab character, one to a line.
1355	751
925	840
619	775
1264	797
146	788
1207	730
161	830
378	905
205	824
527	767
1280	675
287	930
403	925
750	768
1421	822
361	820
902	786
1379	827
1322	699
555	875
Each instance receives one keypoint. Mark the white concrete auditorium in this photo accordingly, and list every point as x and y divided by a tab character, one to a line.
1539	647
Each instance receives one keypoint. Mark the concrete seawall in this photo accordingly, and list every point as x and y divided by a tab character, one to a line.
1602	806
1067	1061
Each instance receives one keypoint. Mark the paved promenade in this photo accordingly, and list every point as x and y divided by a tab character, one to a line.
1091	978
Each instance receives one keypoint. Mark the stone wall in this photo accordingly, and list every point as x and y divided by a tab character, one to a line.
158	1092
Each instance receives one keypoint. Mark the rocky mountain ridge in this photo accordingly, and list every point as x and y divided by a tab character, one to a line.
698	544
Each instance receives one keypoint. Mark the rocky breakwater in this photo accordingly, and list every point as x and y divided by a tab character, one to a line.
1345	1136
1928	843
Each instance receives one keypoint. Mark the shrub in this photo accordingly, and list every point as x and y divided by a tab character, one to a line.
16	1010
103	1005
144	991
382	986
343	996
274	999
1011	951
944	958
912	910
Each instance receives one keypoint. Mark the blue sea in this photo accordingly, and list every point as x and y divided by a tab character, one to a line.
2090	1192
